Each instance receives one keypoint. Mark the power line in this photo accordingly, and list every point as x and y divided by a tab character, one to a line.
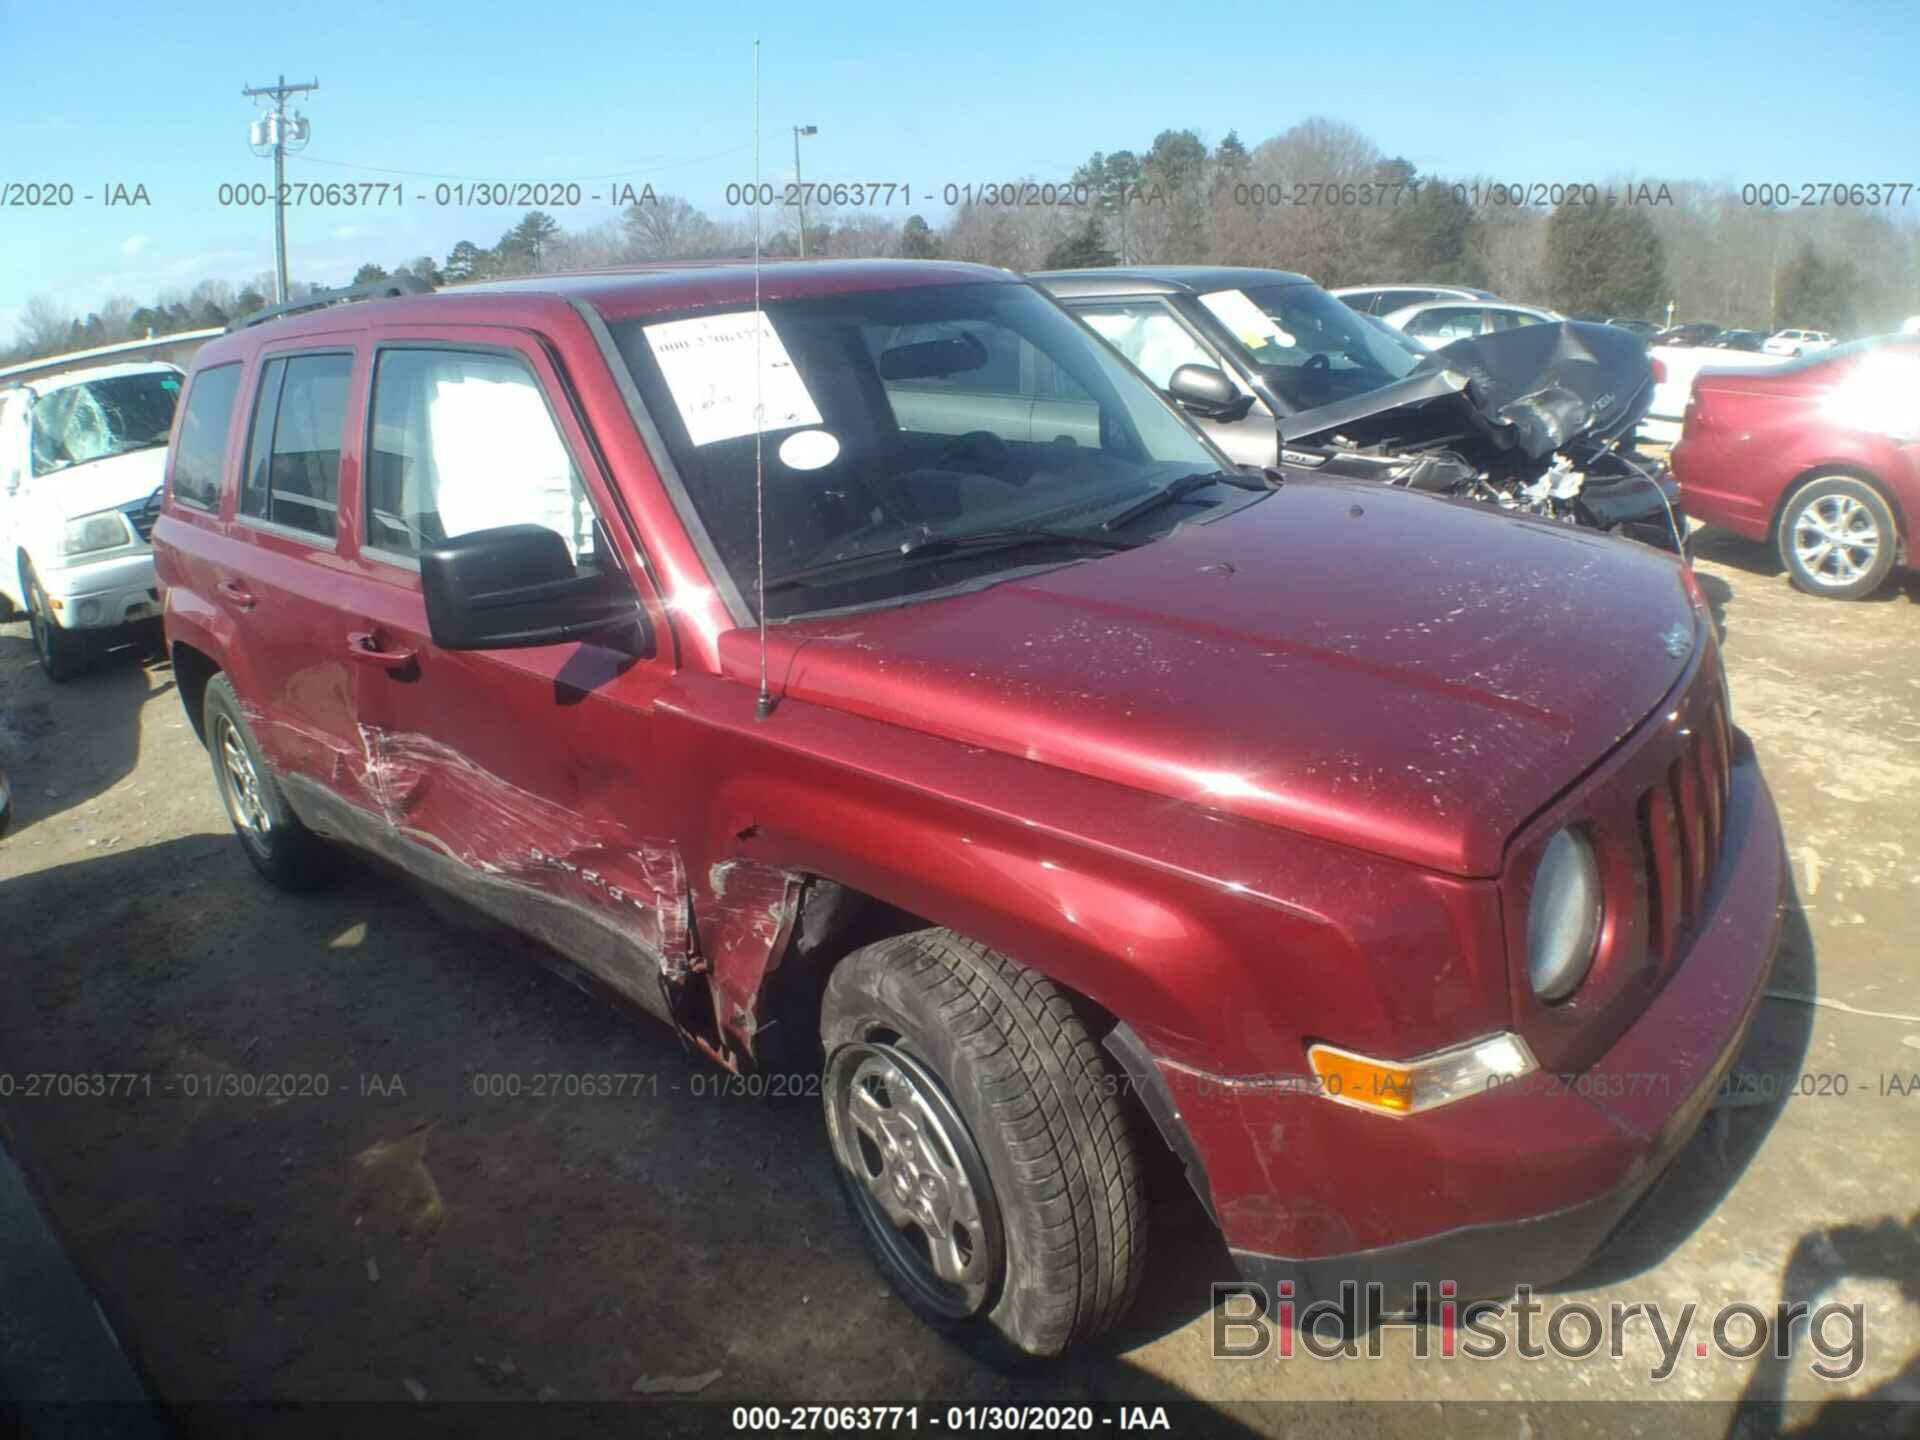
646	169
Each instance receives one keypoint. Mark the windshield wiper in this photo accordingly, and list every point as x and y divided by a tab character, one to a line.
1179	490
932	547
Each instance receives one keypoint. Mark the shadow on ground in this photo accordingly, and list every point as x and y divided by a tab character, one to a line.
94	718
1757	557
1735	1128
345	1149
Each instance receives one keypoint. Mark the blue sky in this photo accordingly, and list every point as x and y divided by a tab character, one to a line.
1754	90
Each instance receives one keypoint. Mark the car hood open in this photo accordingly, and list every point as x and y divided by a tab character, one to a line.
1394	671
1525	392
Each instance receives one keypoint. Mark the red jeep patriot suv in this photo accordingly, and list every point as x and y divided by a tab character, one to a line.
864	654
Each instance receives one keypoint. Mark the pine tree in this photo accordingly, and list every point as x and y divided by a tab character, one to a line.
464	262
1082	249
1605	259
917	241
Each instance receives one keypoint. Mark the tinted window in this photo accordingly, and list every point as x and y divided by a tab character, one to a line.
862	455
1391	300
200	454
1146	332
293	457
464	442
1445	324
992	389
1311	349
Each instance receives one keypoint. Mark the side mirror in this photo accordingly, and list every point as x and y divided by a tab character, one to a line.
1206	391
516	586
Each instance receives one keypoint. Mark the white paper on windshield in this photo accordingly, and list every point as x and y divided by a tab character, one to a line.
1251	325
708	365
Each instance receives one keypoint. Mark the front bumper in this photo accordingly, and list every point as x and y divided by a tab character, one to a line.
1520	1185
102	594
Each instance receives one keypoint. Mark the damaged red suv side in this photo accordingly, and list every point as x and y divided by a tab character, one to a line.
860	665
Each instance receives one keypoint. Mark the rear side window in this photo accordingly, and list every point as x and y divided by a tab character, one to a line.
293	456
1391	300
1146	332
463	441
200	454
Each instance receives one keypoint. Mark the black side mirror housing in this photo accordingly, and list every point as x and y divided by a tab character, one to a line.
516	586
1205	390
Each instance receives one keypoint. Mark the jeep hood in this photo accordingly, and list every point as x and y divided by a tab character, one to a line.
103	484
1526	392
1399	672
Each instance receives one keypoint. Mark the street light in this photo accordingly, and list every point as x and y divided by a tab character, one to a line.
799	190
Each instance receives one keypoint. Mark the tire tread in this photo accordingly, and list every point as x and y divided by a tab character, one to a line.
1039	1071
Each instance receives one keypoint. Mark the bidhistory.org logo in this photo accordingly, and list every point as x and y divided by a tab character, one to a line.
1249	1323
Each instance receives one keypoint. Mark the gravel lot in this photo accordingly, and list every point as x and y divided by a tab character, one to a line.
402	1235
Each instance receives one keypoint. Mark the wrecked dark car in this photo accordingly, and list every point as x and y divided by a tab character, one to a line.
1539	419
1007	770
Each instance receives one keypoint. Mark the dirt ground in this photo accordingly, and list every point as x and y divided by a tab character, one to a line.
386	1230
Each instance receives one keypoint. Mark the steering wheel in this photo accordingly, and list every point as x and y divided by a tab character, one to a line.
982	444
1317	361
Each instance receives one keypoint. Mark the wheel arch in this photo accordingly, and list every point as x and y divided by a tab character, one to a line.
831	921
193	668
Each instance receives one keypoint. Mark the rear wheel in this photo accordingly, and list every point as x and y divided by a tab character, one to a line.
280	847
1837	538
982	1145
61	652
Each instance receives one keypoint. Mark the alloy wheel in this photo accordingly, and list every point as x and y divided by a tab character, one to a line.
1836	540
240	784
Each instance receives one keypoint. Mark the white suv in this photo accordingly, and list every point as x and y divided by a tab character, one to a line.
1797	342
81	460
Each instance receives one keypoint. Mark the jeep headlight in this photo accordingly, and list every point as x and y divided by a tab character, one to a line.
1563	917
105	531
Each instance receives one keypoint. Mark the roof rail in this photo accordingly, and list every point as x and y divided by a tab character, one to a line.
320	299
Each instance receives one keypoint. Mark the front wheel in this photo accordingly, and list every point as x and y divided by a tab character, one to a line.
1837	538
61	652
982	1144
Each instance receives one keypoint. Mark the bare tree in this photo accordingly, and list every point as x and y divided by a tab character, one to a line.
667	229
44	327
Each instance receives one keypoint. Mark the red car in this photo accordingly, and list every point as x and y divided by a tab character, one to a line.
1394	858
1819	457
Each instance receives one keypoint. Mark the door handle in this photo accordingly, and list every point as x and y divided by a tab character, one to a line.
237	593
363	645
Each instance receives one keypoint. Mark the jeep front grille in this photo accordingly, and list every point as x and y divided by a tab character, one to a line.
1682	822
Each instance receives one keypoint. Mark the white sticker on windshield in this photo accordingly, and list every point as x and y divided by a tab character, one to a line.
708	365
809	450
1251	325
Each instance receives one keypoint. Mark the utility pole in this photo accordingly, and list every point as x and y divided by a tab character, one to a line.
274	130
800	190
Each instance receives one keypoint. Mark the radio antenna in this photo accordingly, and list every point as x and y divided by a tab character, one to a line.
763	705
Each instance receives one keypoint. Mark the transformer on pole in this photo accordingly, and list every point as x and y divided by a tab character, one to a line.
276	128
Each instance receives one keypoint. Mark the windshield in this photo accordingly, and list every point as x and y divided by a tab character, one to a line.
90	421
1311	348
895	418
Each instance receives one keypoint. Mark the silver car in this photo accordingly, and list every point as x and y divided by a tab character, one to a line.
1268	343
1441	322
1380	299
